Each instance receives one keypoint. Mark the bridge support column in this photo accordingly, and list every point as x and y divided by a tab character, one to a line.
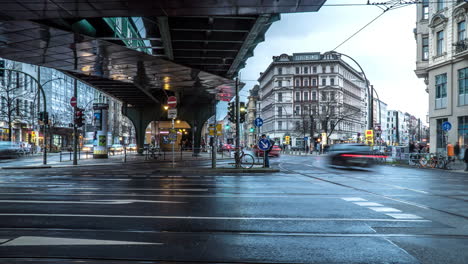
197	119
141	117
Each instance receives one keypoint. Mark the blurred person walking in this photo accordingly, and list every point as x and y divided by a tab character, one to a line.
465	157
456	150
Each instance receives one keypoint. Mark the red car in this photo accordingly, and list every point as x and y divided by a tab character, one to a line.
275	151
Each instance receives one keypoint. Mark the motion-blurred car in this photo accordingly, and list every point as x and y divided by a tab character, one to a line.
132	147
116	148
352	155
87	148
227	147
9	150
274	152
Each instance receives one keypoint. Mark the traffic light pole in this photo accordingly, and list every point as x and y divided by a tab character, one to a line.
75	125
215	139
237	125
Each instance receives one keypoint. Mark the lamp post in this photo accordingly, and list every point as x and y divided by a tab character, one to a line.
370	121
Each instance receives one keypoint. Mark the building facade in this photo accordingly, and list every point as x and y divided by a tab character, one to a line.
442	61
304	95
19	101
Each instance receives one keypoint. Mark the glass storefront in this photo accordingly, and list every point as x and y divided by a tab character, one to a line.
463	130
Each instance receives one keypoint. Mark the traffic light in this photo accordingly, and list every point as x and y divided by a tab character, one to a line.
2	66
232	112
228	126
287	139
252	130
243	112
40	117
46	118
79	118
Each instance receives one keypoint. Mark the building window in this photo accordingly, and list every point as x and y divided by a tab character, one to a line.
305	110
314	69
306	70
463	86
306	82
314	82
440	5
324	82
425	48
298	96
425	9
440	137
280	125
314	96
280	111
463	130
441	91
298	110
440	42
314	110
324	96
280	83
299	141
332	69
298	83
280	70
306	96
332	96
280	97
461	26
297	70
332	81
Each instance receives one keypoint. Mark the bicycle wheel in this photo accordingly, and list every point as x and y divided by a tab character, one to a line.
247	161
423	161
441	162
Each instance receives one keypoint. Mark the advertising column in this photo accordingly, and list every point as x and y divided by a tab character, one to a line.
100	134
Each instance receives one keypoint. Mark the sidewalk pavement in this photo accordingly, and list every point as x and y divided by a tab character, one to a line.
183	161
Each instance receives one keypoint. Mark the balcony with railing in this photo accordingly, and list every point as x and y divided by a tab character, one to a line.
461	48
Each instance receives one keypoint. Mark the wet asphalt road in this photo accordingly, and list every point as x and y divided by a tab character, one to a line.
307	213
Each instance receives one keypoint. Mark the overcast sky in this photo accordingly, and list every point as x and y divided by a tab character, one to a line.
386	50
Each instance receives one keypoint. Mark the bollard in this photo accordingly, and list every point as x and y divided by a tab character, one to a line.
60	153
70	155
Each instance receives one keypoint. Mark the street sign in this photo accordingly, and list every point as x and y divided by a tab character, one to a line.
264	144
306	138
446	126
73	101
172	101
258	122
172	136
172	113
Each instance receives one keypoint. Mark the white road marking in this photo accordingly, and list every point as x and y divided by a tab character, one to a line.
367	204
219	217
175	195
353	199
404	216
88	202
384	209
57	241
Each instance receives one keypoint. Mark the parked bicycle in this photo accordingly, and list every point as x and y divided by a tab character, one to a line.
245	160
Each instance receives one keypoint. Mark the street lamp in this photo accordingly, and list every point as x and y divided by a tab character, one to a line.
369	102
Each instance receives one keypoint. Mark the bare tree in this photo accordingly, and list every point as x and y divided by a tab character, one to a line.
332	112
13	91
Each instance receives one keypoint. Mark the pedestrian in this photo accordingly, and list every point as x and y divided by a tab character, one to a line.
465	157
411	147
456	150
267	152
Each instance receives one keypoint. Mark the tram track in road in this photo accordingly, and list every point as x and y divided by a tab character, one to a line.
421	206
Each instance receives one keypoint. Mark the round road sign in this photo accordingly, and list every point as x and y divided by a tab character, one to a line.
264	144
446	126
172	101
73	101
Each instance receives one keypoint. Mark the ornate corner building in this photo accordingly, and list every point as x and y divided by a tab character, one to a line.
442	61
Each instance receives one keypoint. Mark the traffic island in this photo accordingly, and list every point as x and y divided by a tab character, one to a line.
26	167
216	170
